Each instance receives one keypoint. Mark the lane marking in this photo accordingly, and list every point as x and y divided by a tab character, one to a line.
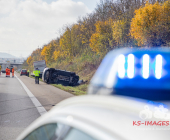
37	104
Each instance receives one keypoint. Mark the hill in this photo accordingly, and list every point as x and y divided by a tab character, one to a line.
6	55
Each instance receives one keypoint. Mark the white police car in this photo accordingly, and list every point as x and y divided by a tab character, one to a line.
96	118
126	74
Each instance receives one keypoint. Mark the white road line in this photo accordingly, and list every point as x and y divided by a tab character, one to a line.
37	104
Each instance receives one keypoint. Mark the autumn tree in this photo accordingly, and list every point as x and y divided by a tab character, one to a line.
29	59
101	41
65	43
120	32
151	24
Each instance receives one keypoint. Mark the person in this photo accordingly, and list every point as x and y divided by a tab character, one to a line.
36	73
12	72
7	72
28	73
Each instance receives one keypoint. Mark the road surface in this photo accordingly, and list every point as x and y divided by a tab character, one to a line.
17	109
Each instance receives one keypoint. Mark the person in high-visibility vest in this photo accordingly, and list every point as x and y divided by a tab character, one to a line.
12	72
36	73
28	73
7	72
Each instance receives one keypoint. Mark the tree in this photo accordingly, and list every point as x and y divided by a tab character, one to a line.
151	24
29	59
65	43
101	40
120	32
46	53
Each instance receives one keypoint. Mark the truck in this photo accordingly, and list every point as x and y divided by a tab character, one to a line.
41	65
56	76
4	66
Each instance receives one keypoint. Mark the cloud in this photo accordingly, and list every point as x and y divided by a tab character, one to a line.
27	24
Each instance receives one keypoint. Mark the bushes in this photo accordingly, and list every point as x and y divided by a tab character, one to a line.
111	25
151	24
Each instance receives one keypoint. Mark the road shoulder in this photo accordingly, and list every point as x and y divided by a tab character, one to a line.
47	95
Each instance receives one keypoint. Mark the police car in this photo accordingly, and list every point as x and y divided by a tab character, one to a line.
138	79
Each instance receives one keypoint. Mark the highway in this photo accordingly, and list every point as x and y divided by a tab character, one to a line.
22	101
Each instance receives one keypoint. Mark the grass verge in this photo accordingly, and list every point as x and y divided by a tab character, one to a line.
77	90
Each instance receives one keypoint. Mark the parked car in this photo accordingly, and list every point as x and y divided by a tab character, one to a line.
23	72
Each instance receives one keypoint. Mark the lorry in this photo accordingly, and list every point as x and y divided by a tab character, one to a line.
4	66
41	65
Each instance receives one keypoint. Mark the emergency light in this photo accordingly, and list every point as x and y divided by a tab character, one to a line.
136	70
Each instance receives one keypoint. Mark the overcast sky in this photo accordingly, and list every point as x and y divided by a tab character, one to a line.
27	24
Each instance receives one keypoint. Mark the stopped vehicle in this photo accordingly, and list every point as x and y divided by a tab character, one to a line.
56	76
4	66
128	99
41	65
23	72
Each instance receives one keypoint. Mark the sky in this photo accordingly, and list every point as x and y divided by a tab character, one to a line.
28	24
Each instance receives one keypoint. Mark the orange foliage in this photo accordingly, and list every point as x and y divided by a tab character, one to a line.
29	59
56	55
100	40
150	24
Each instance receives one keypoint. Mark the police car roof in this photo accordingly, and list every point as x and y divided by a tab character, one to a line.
102	117
137	69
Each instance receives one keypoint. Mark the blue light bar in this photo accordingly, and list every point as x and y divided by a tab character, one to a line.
121	66
145	71
136	70
158	67
130	69
126	66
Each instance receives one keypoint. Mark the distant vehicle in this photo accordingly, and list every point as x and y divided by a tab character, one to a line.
41	65
56	76
23	72
94	117
4	66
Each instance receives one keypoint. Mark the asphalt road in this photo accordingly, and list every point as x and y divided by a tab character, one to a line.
46	94
17	110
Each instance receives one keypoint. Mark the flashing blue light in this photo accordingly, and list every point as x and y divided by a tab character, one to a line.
121	66
130	69
145	71
126	66
135	72
158	67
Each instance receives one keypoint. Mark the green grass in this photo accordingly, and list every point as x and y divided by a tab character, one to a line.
77	90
